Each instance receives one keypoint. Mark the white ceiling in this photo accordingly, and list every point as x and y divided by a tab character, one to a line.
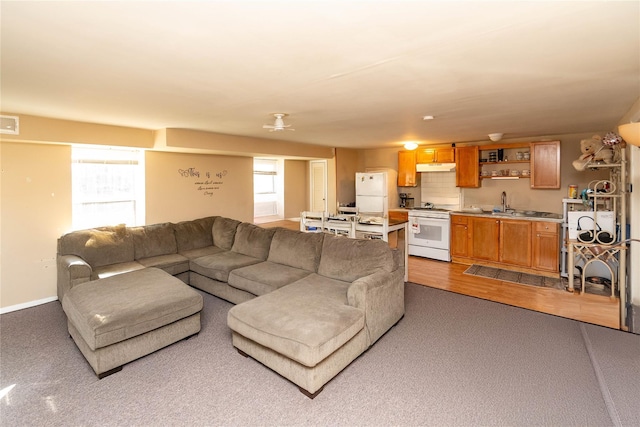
349	73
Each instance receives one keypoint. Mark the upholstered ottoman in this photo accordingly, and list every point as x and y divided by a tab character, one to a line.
124	317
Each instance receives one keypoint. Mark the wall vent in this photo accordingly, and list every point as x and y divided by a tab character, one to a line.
10	125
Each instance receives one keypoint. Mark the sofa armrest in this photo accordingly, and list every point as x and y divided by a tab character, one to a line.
72	271
381	296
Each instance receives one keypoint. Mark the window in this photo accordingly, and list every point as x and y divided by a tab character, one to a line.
265	187
107	186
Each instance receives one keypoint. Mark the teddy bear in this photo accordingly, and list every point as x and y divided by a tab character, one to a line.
593	150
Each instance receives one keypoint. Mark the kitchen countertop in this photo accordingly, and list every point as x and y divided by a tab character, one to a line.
396	221
517	214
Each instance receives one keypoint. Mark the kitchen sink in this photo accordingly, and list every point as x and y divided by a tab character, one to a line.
527	214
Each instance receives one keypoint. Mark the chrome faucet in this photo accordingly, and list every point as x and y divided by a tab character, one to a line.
503	200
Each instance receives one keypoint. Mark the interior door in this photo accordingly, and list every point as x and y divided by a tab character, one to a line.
318	182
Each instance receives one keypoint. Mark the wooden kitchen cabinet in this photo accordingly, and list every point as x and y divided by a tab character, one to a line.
545	164
459	246
467	167
484	238
436	155
407	169
546	246
515	242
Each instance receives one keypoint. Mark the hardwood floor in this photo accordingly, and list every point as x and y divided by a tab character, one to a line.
285	223
596	309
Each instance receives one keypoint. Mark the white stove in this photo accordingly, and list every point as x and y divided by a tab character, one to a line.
429	231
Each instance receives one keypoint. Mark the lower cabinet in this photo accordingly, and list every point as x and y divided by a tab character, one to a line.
460	236
523	244
546	244
515	242
485	238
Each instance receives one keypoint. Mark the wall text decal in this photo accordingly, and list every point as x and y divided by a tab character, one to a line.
209	184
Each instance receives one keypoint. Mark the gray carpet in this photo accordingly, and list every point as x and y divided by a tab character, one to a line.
452	360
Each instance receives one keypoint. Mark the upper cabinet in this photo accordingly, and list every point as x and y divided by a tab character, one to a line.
407	169
435	155
468	166
545	164
537	161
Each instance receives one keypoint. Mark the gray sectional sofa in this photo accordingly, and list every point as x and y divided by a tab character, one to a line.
307	305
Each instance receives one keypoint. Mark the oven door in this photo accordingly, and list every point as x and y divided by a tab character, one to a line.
429	238
429	232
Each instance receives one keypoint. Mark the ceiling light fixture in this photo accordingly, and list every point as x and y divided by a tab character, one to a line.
410	145
495	137
427	118
630	133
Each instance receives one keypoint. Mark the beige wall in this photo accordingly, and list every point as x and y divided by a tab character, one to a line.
186	186
182	140
36	210
332	202
296	188
346	168
47	130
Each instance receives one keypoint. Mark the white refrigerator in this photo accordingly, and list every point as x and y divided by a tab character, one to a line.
376	192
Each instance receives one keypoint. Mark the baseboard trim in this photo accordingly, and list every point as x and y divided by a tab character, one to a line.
29	304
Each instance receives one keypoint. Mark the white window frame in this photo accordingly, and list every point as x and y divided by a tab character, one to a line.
84	200
268	204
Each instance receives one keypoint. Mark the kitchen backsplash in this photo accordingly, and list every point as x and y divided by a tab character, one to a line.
440	189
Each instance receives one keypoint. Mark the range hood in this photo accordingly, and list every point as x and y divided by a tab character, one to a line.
435	167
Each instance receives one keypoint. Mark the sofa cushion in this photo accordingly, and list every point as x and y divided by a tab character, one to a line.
253	241
99	246
111	310
224	231
296	249
105	271
194	234
153	240
197	253
350	259
171	263
305	321
218	266
264	277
